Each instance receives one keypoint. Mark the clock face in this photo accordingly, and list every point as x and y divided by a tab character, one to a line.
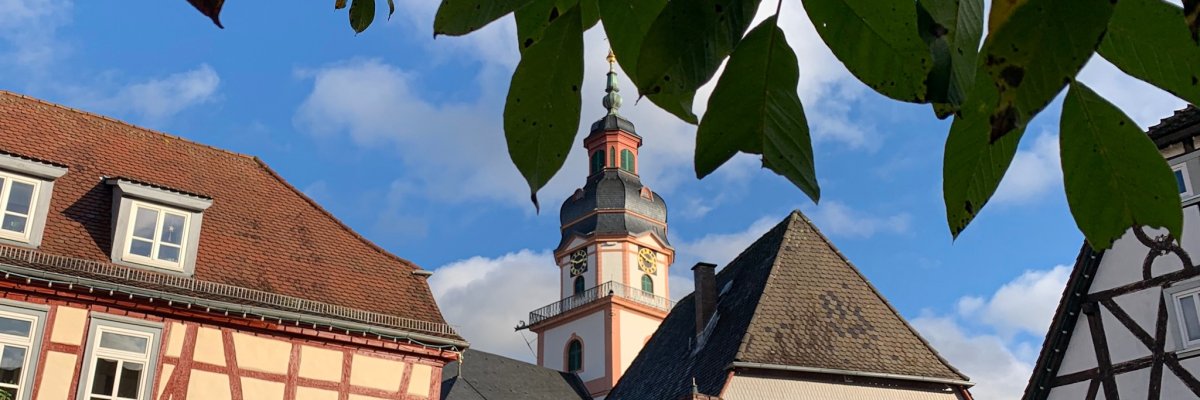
647	261
578	262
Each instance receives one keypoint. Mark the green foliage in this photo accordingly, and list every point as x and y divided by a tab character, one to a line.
1022	66
684	47
952	30
1142	42
460	17
362	12
1114	176
923	51
626	23
879	43
756	110
541	114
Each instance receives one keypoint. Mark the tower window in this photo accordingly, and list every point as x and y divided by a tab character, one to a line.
612	156
597	161
579	285
574	356
627	160
647	284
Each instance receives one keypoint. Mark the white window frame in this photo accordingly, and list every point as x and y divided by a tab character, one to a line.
1177	304
32	343
102	323
5	189
156	242
1187	182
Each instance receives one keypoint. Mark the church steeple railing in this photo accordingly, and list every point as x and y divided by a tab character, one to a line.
596	294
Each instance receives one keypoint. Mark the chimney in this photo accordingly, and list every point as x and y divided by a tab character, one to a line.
705	295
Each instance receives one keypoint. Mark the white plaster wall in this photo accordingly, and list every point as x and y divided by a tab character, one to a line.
613	265
635	328
590	329
1122	265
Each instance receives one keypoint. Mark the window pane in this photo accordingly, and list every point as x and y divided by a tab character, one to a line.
121	342
13	222
19	197
145	222
17	327
1179	181
1190	319
172	229
167	252
131	377
104	376
10	392
11	362
140	247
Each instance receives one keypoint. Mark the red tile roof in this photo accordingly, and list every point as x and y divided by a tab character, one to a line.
260	233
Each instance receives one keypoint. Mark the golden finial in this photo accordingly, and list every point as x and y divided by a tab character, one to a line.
612	58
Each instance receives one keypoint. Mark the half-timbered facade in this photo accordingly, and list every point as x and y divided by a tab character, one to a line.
138	265
1128	324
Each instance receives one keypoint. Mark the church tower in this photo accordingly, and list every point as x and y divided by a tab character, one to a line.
613	261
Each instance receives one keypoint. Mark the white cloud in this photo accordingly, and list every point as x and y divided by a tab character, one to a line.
1034	172
484	298
28	27
153	101
1143	102
837	219
1025	304
998	354
716	248
996	370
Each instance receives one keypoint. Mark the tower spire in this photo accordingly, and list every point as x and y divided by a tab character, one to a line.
612	98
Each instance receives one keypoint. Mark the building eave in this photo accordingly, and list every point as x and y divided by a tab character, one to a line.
794	368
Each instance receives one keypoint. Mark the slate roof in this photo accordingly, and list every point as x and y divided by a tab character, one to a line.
260	233
487	376
792	300
618	190
1179	126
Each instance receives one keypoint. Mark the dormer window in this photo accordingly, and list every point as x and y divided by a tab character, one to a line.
25	188
156	235
155	227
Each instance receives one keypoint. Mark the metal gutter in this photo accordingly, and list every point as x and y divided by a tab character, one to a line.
776	367
236	308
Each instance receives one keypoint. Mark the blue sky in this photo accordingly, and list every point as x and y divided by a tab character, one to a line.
399	135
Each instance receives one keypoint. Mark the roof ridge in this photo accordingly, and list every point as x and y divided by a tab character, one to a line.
800	215
754	315
4	92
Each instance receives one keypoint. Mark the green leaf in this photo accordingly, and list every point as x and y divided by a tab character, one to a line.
952	30
626	23
878	42
589	12
339	4
754	109
533	19
210	9
541	114
460	17
1001	10
973	164
1191	15
1032	56
362	12
391	8
1143	42
1114	176
684	47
